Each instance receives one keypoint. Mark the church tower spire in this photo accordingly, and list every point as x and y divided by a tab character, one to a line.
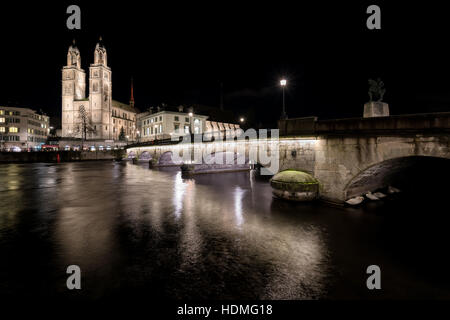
132	95
100	89
73	90
100	53
73	56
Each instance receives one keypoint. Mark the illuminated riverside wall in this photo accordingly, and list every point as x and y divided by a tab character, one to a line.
64	156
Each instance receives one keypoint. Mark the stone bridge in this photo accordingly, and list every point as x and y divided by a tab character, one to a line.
348	156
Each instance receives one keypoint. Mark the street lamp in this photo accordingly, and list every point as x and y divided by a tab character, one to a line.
190	121
283	84
242	120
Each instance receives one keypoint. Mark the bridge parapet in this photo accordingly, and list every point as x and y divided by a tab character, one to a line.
399	124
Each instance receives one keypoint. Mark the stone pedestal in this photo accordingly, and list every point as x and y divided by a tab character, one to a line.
376	109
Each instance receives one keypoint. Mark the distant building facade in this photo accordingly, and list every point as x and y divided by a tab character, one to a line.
22	129
98	116
166	124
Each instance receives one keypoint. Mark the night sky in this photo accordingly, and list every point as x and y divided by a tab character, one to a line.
179	53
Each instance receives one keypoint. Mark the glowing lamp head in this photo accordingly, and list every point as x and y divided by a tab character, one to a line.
190	114
283	82
241	119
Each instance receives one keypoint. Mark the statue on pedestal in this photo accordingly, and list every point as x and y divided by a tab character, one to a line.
376	107
376	90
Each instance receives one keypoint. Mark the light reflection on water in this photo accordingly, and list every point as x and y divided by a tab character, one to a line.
135	231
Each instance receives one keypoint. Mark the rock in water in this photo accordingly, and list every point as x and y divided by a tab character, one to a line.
379	195
393	189
371	196
294	185
355	201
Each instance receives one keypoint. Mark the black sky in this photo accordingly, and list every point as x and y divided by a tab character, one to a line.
178	53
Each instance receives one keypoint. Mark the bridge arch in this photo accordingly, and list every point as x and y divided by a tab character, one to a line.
404	172
166	159
145	156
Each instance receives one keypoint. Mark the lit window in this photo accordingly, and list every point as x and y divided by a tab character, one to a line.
13	129
186	129
2	120
2	129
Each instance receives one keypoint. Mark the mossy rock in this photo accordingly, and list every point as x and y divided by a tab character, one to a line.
295	185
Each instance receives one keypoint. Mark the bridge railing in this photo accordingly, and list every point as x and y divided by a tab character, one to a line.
204	137
398	124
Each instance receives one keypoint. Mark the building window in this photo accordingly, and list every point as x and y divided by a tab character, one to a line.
186	119
2	120
177	127
160	118
13	129
160	128
177	118
2	129
186	129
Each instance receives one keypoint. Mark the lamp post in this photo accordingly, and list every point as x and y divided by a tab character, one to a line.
190	122
283	84
191	115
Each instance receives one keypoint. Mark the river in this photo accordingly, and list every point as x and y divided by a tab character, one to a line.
140	232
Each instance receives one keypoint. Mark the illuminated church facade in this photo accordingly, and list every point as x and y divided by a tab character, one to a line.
97	116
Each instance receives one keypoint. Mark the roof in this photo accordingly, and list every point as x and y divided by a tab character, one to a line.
184	114
212	113
124	106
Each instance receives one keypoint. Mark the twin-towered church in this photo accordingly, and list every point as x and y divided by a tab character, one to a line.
106	116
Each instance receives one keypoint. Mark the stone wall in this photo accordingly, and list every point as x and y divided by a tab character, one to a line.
340	161
65	156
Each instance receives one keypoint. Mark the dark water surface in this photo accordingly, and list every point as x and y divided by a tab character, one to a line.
137	232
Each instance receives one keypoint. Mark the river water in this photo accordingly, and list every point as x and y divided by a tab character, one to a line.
136	232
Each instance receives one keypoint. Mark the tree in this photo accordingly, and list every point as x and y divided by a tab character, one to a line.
122	134
84	124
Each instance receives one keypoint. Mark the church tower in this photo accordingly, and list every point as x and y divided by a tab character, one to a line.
73	89
100	93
